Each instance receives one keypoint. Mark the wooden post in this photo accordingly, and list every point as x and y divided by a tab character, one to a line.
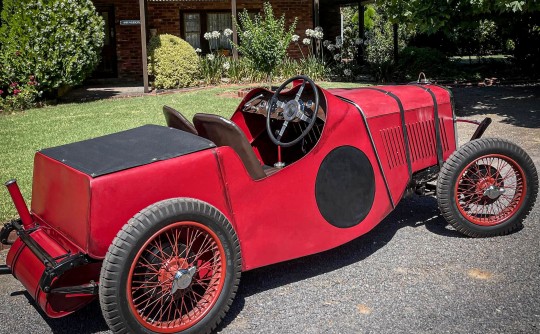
142	7
316	14
361	31
235	31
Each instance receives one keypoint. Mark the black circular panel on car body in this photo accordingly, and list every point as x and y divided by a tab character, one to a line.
345	187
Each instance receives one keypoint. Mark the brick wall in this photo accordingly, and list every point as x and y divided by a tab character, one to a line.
128	38
165	18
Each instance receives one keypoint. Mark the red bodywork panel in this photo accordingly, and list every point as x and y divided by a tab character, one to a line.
276	218
383	116
90	212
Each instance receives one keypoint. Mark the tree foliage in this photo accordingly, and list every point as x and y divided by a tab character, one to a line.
430	16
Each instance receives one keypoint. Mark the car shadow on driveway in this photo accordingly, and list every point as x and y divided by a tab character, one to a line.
413	212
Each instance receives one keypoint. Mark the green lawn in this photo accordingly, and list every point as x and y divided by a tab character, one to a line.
22	134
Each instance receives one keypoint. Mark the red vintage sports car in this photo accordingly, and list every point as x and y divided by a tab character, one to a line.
159	222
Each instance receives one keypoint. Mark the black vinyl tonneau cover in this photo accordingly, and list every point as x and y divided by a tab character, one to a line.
127	149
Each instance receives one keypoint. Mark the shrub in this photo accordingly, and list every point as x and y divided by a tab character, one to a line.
172	61
18	97
264	39
57	41
413	60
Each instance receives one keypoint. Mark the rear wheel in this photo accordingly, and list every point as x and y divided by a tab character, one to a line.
487	188
174	268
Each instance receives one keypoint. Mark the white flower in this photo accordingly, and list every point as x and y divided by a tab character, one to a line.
210	57
215	34
310	32
337	57
227	32
198	50
339	45
339	40
207	35
326	43
318	34
306	41
331	47
358	41
295	38
347	72
226	66
318	29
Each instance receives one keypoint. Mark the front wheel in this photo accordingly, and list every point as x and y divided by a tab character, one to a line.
487	188
174	268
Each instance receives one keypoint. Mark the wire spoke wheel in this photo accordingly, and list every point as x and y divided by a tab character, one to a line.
176	277
490	190
174	268
487	188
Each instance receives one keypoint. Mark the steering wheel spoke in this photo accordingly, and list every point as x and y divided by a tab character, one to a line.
293	111
300	91
302	116
282	131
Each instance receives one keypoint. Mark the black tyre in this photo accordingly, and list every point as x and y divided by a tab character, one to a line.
173	268
487	188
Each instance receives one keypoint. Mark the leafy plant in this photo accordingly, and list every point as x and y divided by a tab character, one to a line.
313	68
172	61
212	68
57	41
264	39
18	97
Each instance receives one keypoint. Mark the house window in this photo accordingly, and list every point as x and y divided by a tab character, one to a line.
219	22
195	24
192	29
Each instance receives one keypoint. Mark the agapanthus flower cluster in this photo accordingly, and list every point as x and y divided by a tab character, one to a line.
227	32
316	33
212	35
295	38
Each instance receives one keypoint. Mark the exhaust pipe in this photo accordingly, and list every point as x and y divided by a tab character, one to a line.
20	205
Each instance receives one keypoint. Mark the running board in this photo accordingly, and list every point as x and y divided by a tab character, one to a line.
4	270
88	289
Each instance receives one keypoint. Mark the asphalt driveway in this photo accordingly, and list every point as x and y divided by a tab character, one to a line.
411	274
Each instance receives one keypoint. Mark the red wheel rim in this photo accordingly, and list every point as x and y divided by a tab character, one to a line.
152	290
490	190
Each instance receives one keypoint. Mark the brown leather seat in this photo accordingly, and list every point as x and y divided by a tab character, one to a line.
223	132
176	120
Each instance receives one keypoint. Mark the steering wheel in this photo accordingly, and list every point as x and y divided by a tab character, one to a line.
292	110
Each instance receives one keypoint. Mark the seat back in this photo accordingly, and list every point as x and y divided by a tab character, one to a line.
176	120
223	132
